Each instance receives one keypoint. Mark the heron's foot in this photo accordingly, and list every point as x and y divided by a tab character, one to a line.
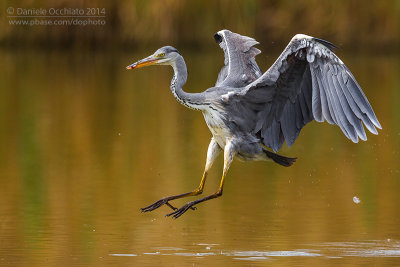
178	212
158	204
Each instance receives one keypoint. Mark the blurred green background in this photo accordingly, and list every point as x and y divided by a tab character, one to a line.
353	24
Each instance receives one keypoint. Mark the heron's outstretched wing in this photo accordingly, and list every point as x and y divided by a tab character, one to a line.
307	81
240	66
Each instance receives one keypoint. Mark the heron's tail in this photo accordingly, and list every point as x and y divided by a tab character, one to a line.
284	161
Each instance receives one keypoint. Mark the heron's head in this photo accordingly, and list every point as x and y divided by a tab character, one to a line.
163	56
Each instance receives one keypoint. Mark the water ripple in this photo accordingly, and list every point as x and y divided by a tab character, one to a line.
372	248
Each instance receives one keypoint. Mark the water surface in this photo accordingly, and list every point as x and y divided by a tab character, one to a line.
85	144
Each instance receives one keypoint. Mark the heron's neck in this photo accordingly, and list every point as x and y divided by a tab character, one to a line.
189	100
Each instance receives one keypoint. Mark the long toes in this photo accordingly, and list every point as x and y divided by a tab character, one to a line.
154	206
169	205
177	213
172	213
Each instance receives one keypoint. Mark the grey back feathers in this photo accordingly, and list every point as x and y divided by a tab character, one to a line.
307	81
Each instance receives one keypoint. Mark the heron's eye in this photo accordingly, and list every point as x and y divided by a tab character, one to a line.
161	55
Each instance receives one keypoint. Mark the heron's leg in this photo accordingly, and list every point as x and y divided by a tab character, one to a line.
229	154
213	151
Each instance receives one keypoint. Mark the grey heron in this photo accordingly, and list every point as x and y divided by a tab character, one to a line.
250	113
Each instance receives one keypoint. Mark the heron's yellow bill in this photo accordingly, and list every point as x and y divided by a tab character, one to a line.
142	63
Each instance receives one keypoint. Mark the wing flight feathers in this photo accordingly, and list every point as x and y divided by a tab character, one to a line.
307	81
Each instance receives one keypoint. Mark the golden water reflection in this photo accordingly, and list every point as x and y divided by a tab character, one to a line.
85	144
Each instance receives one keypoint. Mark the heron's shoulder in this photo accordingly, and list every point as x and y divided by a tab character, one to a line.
221	95
213	92
220	89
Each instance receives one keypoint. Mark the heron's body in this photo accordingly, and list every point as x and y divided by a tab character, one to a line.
248	111
247	145
216	124
211	103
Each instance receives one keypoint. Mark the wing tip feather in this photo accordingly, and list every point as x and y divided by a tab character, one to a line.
328	44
